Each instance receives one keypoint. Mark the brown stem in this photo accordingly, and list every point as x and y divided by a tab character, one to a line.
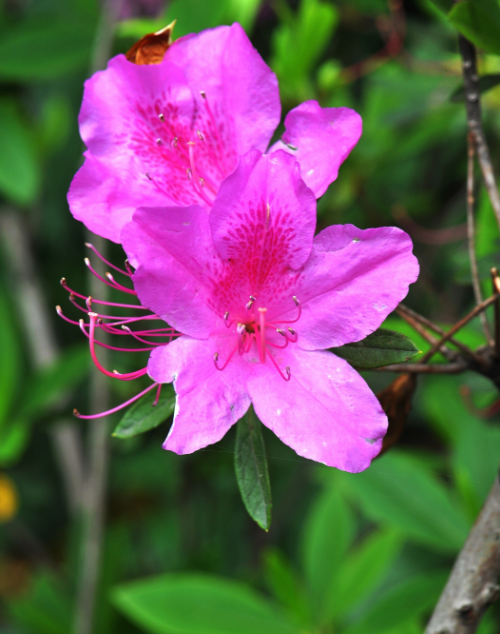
471	239
447	354
41	345
472	585
473	107
496	316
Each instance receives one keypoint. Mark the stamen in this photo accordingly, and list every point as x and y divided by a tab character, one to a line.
148	176
174	142
105	345
92	248
118	407
281	332
193	174
118	286
249	304
216	359
203	94
157	395
161	117
159	141
291	331
115	285
189	173
200	135
287	369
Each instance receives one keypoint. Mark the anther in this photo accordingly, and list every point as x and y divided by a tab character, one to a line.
295	300
281	332
287	370
291	331
240	329
148	176
71	296
249	304
76	413
161	117
200	135
203	94
226	315
189	173
216	357
174	142
158	141
202	182
63	281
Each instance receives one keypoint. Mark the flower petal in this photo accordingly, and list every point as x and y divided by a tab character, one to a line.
352	281
223	63
173	252
326	412
322	138
263	222
209	401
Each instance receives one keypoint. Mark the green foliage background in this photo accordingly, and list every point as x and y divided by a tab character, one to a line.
349	554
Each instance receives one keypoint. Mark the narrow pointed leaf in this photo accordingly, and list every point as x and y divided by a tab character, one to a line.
143	416
252	473
382	347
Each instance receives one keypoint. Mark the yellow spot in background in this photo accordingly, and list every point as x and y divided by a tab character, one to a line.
9	500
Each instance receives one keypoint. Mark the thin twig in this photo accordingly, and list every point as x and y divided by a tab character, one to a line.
426	368
459	325
96	485
449	355
406	313
42	346
473	107
471	237
472	585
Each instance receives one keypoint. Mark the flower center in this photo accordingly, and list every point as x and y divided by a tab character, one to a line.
254	328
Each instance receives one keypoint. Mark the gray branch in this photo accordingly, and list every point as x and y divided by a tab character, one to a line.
472	586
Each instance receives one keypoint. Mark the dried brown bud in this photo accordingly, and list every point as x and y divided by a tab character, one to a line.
396	402
151	48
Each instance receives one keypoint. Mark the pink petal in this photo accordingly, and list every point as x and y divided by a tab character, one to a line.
326	412
173	250
223	63
352	281
323	138
263	219
209	401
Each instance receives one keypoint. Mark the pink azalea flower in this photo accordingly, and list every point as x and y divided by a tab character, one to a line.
259	301
168	134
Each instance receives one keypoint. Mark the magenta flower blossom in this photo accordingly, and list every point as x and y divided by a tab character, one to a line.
259	301
168	134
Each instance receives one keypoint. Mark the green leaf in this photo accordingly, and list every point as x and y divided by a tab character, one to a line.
20	175
199	604
252	473
401	604
486	82
299	42
13	440
443	5
52	384
405	494
382	347
362	570
479	22
142	416
284	583
326	538
42	48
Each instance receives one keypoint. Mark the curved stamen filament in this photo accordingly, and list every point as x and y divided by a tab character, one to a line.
290	321
124	377
118	407
105	345
99	277
92	248
216	358
157	395
287	369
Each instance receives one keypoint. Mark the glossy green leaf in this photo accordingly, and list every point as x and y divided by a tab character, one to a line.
20	176
361	571
143	416
252	473
402	492
327	536
382	347
199	604
401	604
52	384
42	48
486	82
479	22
